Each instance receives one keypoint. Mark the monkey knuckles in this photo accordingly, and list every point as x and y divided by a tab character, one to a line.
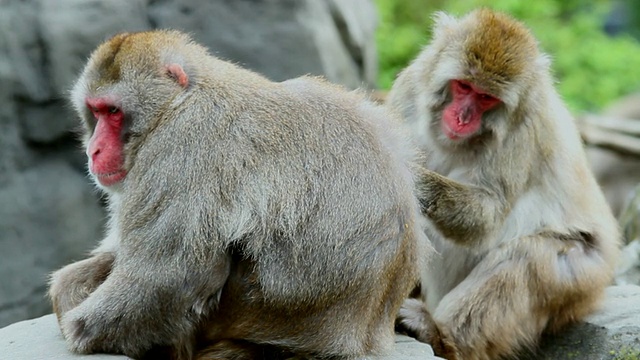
68	289
75	332
84	329
412	315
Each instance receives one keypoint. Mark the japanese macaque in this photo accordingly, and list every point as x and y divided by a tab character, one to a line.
248	219
525	239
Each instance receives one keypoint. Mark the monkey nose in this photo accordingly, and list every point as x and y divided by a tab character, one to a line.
93	154
463	120
464	117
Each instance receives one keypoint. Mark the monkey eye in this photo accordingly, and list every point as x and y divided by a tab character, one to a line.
461	87
464	86
113	109
487	101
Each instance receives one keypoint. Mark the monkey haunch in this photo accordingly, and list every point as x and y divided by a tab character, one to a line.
243	212
526	242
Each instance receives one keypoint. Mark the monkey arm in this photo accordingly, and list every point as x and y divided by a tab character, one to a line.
75	282
145	303
465	214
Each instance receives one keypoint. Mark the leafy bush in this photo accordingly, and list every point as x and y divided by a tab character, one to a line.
592	68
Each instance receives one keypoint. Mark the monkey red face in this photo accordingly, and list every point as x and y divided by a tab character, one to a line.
463	116
105	150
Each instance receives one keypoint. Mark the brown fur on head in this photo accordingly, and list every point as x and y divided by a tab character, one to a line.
498	54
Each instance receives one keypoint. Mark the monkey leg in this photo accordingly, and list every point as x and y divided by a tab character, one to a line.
72	284
243	350
517	291
132	312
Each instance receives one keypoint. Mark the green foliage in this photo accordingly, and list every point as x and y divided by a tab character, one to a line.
626	353
592	69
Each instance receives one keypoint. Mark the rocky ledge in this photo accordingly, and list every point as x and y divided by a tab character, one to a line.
611	333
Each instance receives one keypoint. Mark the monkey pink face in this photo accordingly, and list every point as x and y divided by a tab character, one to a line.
105	150
462	118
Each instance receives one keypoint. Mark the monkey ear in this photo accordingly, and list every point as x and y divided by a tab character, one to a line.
178	74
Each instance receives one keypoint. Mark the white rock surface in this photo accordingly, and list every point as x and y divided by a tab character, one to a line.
611	333
40	339
628	271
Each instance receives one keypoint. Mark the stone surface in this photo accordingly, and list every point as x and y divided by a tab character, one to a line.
612	333
619	177
628	271
618	174
282	39
36	239
40	339
630	216
49	214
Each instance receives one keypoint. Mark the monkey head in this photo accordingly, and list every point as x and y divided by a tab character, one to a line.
476	79
119	101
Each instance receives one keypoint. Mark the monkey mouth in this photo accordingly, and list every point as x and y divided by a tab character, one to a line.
111	178
462	130
452	134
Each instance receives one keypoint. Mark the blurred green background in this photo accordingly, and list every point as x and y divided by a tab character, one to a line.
592	67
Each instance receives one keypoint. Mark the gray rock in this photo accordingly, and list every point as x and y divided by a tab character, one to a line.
40	339
70	29
617	173
407	349
611	333
630	216
12	153
60	229
23	50
43	46
628	271
283	39
44	122
628	267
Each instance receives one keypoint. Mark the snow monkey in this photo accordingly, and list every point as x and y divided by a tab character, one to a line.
248	219
526	242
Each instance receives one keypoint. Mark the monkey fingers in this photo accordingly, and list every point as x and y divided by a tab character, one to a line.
416	319
72	284
122	315
465	214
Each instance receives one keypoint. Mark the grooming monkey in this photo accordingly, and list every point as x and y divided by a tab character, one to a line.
248	219
525	239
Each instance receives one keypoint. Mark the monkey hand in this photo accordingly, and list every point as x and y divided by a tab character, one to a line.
435	193
464	214
115	319
129	317
72	284
416	319
82	328
97	325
